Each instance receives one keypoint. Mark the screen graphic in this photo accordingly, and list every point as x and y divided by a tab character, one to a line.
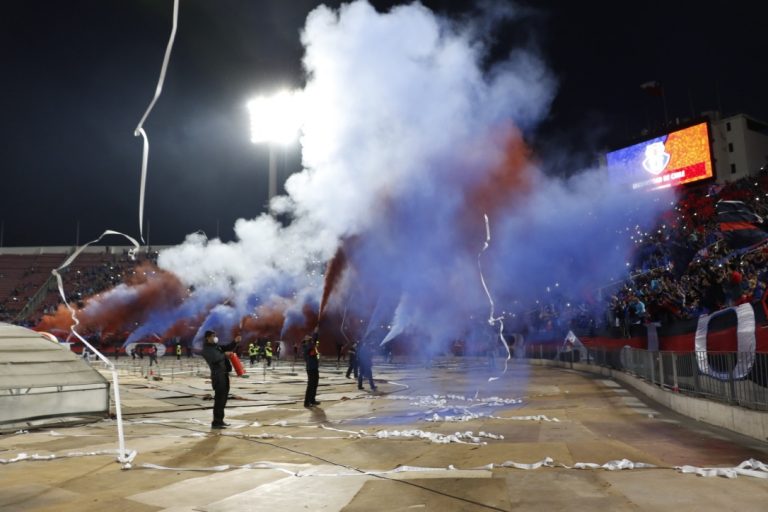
679	157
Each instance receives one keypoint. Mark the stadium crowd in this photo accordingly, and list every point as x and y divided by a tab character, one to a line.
681	269
89	274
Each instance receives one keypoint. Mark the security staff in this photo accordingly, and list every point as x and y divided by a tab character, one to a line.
352	353
312	360
218	361
268	353
253	351
365	365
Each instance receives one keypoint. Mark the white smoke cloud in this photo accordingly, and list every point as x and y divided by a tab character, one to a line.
390	101
402	124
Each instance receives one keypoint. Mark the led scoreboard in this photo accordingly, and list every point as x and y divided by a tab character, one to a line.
673	159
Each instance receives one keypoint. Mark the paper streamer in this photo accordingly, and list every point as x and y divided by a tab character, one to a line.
472	416
459	437
285	468
179	436
353	432
72	312
536	417
614	465
140	127
433	437
440	400
123	455
492	319
751	468
546	462
37	457
267	435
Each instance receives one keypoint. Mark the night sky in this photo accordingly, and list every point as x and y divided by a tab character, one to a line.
79	74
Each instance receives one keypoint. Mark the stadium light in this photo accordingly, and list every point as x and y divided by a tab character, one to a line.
275	119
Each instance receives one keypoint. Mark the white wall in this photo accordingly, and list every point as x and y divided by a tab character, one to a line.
750	148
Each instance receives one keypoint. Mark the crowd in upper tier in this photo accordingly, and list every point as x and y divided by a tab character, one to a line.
89	274
681	269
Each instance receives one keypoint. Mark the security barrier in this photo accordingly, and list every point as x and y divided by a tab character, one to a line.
737	378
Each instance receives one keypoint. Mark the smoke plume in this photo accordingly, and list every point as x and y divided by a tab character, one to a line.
410	136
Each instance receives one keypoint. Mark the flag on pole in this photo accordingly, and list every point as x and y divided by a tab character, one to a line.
653	88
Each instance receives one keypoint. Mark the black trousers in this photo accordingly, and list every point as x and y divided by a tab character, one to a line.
221	393
313	378
352	368
365	371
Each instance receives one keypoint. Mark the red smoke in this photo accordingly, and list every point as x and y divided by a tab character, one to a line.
506	184
297	331
124	307
266	322
186	328
332	275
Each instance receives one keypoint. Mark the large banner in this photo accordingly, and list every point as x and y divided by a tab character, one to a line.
670	160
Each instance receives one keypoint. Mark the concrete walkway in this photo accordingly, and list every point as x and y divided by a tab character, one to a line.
439	439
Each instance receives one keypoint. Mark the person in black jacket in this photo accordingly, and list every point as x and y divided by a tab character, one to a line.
312	360
352	353
218	361
365	365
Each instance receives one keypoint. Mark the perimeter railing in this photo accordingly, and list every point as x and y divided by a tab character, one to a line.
737	378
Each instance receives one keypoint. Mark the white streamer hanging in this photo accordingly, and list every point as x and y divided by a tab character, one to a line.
124	457
492	319
140	127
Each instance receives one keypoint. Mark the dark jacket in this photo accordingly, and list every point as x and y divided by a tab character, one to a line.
217	361
311	355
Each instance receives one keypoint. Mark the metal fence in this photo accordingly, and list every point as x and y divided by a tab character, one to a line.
738	378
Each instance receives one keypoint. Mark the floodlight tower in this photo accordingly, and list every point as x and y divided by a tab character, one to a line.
276	120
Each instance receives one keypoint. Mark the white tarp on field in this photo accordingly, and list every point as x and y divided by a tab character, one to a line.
43	379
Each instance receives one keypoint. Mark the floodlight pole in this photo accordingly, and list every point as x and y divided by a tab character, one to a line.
272	173
271	120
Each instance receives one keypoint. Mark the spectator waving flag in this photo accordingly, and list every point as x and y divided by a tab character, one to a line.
739	224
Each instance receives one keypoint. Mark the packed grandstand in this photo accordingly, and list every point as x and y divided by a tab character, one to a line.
685	267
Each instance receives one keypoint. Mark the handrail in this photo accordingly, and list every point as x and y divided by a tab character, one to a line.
35	300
